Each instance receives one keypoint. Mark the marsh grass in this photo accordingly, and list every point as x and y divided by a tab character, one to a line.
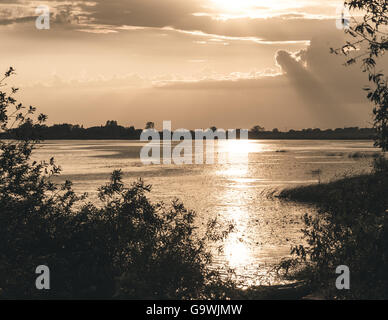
350	228
364	155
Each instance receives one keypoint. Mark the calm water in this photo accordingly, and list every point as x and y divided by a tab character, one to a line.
236	191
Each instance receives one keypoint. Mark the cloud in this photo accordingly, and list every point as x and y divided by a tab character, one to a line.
220	38
5	22
150	54
209	80
313	91
331	92
117	81
285	23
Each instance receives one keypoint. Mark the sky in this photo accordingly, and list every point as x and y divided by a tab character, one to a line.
197	63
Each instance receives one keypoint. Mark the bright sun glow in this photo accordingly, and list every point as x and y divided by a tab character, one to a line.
237	252
235	5
257	8
235	147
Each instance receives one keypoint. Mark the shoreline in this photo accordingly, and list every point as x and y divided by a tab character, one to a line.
250	139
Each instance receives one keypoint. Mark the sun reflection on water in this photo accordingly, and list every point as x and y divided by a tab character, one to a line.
239	147
237	252
233	155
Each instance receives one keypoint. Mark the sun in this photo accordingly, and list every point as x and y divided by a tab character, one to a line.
234	6
253	8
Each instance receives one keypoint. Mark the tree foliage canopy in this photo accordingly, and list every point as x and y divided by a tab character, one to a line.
369	42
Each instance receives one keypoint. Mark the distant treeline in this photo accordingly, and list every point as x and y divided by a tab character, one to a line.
65	131
112	130
353	133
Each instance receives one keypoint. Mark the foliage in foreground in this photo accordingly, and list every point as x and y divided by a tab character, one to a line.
350	228
125	247
369	42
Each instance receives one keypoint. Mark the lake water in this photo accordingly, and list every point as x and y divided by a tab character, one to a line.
235	191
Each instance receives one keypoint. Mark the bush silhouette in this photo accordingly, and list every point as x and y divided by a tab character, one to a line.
123	247
350	228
